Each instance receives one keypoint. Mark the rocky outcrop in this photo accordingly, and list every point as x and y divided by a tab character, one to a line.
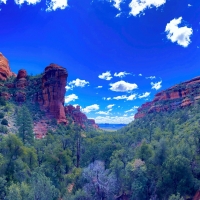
53	91
21	74
5	71
178	96
92	123
21	81
78	117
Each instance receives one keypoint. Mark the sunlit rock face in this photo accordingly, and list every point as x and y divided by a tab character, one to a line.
54	81
5	71
178	96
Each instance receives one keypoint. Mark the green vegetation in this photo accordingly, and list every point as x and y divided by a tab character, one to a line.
156	157
4	122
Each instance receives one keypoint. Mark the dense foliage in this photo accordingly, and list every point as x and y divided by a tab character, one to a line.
156	157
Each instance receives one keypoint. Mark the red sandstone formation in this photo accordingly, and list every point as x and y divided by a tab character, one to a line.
92	123
53	91
181	95
79	117
21	74
21	79
5	71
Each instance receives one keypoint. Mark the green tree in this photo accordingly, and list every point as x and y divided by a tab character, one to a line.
42	188
25	123
14	192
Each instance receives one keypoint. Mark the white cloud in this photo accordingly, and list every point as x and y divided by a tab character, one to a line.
132	109
128	98
114	120
20	2
138	6
181	35
106	76
110	106
121	74
104	112
117	4
131	97
139	74
99	86
144	95
108	98
91	108
71	97
189	5
122	86
151	77
156	86
2	1
76	83
55	4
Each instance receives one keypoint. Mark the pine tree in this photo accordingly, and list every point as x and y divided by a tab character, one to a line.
25	123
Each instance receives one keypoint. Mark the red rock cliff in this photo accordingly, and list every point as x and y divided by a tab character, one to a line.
5	71
53	91
79	117
178	96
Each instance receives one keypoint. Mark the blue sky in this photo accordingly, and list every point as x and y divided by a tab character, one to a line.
118	54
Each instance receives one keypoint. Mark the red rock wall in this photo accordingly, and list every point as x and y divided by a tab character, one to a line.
181	95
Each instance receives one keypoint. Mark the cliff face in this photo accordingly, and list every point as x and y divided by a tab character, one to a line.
5	71
54	81
178	96
47	89
79	117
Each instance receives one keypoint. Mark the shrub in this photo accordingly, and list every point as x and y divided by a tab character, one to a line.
4	122
3	129
1	115
2	101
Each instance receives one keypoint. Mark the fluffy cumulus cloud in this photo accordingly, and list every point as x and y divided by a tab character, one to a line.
77	83
121	74
151	77
110	106
181	35
55	4
132	109
138	6
114	119
139	74
91	108
156	86
71	97
20	2
125	97
99	86
122	86
106	76
144	95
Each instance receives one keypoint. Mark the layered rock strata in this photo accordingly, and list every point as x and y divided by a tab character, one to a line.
178	96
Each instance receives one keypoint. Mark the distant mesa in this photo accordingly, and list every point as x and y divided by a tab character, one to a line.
178	96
